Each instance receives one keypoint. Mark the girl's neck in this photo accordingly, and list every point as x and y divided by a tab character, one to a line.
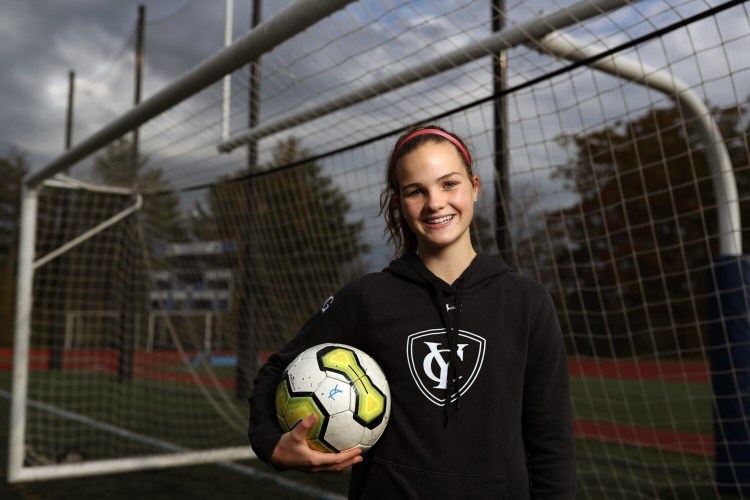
447	264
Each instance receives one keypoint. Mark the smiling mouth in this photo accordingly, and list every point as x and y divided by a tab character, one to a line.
439	220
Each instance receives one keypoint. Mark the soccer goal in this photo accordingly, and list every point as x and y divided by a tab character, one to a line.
611	138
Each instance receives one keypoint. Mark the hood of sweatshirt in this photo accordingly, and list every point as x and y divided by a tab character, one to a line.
448	299
484	267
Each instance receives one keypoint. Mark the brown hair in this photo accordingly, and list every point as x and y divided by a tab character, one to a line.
397	229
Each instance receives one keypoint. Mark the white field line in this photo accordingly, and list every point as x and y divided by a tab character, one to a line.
167	446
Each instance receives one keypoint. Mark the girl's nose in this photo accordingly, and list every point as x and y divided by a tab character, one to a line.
435	202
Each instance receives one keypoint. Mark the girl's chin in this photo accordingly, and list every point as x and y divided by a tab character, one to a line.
439	242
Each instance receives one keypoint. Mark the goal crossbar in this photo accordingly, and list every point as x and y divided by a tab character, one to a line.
506	38
263	38
717	156
138	203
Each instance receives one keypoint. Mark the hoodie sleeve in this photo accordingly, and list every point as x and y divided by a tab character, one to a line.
547	420
336	321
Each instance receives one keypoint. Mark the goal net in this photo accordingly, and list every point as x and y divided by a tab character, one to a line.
611	140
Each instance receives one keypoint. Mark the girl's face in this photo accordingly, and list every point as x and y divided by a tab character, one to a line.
437	197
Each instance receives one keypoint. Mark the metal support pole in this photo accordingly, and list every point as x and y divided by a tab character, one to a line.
139	57
500	134
128	297
247	356
69	116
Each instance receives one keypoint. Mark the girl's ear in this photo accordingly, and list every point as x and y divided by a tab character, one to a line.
476	183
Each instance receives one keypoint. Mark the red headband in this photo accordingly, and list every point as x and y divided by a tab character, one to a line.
435	131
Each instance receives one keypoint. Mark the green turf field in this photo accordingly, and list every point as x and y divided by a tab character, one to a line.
607	470
252	480
620	471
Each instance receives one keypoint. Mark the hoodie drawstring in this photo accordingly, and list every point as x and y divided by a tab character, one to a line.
456	330
451	333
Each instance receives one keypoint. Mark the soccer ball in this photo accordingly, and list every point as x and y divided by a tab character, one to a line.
346	389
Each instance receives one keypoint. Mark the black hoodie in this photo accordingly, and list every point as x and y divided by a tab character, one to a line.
506	430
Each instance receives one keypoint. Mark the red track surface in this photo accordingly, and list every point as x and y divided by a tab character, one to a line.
668	371
679	442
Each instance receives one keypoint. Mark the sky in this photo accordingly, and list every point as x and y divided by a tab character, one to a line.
41	41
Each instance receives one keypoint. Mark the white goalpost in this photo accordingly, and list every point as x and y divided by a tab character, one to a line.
611	137
157	332
76	325
285	24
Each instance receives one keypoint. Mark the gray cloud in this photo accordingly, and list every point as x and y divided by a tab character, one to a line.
41	41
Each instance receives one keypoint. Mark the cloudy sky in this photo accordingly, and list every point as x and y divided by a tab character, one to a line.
42	40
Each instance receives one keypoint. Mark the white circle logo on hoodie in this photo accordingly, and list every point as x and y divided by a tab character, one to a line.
429	358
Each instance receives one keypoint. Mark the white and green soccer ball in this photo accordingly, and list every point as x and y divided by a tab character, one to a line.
346	389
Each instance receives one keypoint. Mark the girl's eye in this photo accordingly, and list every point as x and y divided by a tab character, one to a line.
450	184
415	193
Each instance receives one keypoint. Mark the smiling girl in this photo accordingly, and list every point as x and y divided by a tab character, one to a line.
472	351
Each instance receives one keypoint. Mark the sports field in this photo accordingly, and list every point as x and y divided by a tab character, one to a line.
248	479
636	439
252	480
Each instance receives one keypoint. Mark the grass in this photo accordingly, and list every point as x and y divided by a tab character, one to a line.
619	471
607	470
194	482
624	472
677	406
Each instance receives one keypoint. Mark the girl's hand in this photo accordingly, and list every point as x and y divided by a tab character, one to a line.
292	452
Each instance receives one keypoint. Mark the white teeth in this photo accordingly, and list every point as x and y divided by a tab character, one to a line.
439	220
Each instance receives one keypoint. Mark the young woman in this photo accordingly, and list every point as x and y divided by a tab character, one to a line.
473	353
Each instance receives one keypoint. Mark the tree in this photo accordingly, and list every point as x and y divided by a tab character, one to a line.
160	215
303	213
297	222
158	221
106	272
529	241
482	231
297	245
13	168
631	254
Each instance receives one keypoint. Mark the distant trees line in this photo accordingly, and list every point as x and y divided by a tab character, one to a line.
624	263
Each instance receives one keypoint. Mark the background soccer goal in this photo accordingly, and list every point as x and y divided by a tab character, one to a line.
158	269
